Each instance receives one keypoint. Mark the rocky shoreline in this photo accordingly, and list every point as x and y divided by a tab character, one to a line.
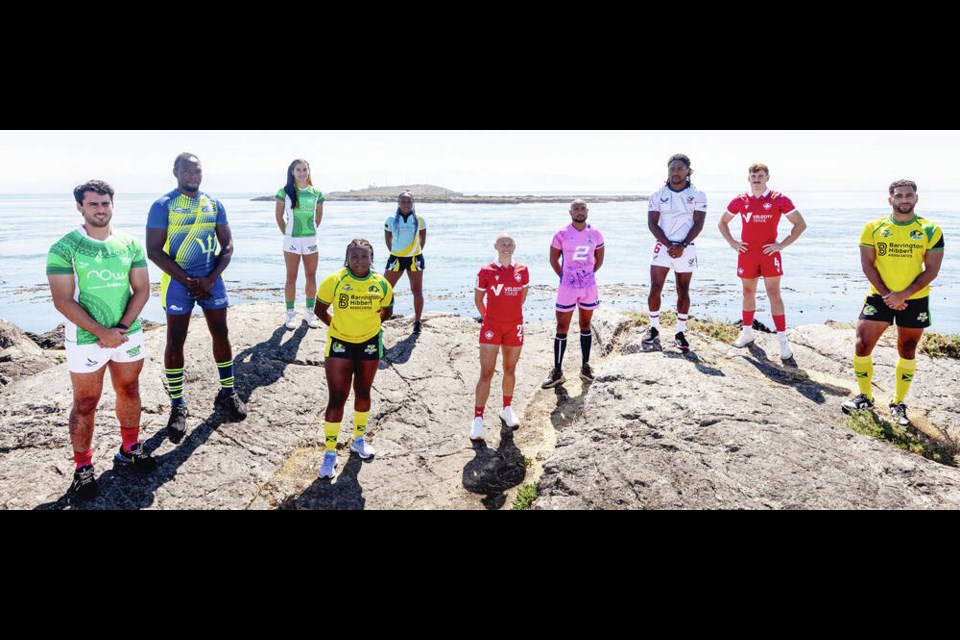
721	428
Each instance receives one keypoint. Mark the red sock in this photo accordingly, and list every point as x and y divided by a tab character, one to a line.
83	458
129	437
478	412
748	318
507	401
780	322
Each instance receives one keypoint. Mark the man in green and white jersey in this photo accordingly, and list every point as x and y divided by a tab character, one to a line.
100	283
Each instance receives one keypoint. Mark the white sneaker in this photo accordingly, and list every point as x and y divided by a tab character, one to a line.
745	338
476	434
291	322
785	352
509	418
312	320
360	446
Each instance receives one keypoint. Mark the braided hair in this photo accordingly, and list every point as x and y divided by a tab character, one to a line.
685	160
359	243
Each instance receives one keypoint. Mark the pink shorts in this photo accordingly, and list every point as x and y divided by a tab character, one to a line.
569	298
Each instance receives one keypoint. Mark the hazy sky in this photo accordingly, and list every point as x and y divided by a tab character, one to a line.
478	161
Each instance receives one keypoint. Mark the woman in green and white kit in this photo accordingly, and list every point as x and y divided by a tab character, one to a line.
299	212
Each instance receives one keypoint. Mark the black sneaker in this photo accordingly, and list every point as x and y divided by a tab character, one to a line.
856	404
681	341
136	458
84	485
556	378
899	414
586	373
651	336
231	404
177	424
417	326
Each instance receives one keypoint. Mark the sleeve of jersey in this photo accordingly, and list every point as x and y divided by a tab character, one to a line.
320	197
386	225
325	291
734	207
524	277
137	259
221	213
58	262
653	204
786	205
599	240
866	238
557	242
159	216
936	239
481	280
701	202
422	223
387	299
281	194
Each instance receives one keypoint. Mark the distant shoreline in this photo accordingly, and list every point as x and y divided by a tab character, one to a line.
350	197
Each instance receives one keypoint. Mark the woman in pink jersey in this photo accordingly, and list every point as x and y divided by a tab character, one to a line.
581	248
504	285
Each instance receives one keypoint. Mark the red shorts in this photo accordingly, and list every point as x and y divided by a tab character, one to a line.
756	264
505	333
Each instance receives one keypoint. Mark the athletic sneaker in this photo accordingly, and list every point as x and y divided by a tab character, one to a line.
651	335
899	413
231	404
586	373
856	404
509	418
360	447
476	433
556	378
312	320
136	458
291	321
84	485
417	326
785	352
177	425
329	464
745	338
681	341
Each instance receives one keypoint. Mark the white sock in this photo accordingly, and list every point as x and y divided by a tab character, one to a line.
681	322
782	336
655	320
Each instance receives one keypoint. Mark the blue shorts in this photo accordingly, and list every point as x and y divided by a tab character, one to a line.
177	301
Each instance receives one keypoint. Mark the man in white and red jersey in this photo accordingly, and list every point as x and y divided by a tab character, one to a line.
581	248
675	217
504	285
758	250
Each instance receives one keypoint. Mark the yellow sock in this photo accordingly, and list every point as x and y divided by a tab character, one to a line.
360	423
863	367
905	369
331	430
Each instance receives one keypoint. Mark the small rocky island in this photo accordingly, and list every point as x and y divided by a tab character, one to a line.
431	193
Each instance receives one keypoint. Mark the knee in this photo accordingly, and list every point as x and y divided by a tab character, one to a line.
336	400
486	376
862	348
908	349
130	390
86	406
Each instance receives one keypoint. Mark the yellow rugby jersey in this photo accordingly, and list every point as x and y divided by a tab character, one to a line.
354	303
901	248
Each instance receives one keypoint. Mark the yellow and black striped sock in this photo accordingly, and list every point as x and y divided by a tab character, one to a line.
225	370
175	385
905	371
360	423
863	367
331	430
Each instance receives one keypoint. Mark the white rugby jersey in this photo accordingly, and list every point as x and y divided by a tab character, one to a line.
676	210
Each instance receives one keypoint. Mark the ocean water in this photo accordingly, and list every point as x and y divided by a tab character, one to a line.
822	279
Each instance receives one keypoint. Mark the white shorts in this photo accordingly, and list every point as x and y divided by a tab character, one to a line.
300	246
687	263
88	358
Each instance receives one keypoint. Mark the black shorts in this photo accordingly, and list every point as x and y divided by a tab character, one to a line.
372	349
915	316
410	263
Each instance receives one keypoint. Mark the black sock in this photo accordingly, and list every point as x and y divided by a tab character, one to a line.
559	348
586	340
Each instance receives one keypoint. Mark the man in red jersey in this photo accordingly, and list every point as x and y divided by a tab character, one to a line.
759	252
504	285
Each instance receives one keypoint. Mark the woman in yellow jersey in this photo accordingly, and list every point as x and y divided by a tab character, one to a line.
406	234
361	300
299	212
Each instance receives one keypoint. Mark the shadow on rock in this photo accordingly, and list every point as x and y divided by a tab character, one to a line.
793	376
493	472
399	353
342	493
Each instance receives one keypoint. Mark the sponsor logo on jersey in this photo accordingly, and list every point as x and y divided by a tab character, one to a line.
497	289
373	289
691	200
869	310
133	352
667	199
219	301
174	307
767	206
916	235
886	233
106	275
881	248
346	287
517	277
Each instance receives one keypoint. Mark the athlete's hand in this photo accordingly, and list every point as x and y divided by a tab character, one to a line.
200	288
770	249
896	300
739	247
112	338
675	250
